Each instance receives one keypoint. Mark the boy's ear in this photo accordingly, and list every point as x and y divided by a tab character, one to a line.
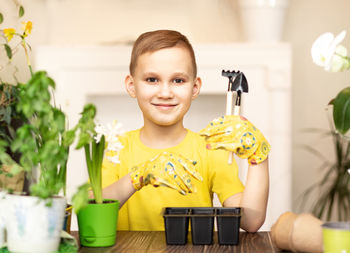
129	85
196	87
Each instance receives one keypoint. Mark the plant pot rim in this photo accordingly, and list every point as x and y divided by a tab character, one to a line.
339	225
110	201
23	194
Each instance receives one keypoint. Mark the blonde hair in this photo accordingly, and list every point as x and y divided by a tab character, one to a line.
160	39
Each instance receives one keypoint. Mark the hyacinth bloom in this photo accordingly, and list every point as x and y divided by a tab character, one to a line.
111	133
327	52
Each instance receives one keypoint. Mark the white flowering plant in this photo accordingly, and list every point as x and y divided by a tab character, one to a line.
97	141
334	187
328	53
111	133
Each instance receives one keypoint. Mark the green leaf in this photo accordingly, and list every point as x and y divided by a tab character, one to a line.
21	11
84	139
8	51
341	111
7	116
1	18
68	137
81	197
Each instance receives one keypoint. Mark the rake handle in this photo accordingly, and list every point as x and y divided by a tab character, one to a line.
236	111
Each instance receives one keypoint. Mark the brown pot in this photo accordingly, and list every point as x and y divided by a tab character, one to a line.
282	229
14	183
307	234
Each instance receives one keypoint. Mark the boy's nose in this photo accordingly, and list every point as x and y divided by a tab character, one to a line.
165	90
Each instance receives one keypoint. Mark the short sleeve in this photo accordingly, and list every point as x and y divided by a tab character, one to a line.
223	176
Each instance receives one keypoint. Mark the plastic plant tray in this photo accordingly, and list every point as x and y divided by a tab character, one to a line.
202	224
228	223
176	225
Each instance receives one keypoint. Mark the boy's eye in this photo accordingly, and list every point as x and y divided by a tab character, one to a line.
151	79
178	80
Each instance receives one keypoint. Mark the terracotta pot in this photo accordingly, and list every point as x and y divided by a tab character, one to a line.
307	234
282	229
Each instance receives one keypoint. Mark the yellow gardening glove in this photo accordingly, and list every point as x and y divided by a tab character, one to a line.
166	169
235	133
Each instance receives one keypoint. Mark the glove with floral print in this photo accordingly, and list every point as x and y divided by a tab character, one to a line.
235	133
166	169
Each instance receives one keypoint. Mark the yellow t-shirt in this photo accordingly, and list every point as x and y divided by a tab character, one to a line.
143	211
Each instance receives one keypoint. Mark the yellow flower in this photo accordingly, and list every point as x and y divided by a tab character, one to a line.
27	27
9	32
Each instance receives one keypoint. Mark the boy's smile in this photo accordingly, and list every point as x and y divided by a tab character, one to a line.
164	85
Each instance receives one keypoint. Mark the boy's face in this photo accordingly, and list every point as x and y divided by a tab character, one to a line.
164	85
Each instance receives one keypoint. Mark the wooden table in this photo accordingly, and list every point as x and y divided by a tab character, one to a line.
146	241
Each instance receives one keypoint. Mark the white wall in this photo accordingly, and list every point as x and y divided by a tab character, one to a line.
312	87
119	21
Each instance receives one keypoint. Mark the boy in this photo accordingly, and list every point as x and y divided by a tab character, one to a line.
163	79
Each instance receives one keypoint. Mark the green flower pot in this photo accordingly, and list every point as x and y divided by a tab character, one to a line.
98	224
336	237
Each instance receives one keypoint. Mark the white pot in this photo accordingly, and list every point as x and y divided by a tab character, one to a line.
32	226
263	20
2	218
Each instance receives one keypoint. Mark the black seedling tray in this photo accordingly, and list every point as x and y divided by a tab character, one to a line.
202	224
176	219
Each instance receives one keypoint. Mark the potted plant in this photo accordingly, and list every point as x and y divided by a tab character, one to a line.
33	220
97	218
335	185
10	119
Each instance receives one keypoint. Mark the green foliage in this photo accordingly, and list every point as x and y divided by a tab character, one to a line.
334	187
8	51
4	250
86	126
341	111
94	158
81	197
66	246
5	158
41	140
93	151
21	11
10	121
9	117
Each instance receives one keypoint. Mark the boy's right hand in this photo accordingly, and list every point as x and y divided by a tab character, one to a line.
166	169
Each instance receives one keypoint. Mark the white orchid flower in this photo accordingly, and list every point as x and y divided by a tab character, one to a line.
340	61
111	133
327	52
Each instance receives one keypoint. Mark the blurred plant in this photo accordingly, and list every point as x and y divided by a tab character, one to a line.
334	187
12	41
10	119
41	138
43	141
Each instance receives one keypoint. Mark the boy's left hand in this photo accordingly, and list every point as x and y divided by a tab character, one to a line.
235	133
